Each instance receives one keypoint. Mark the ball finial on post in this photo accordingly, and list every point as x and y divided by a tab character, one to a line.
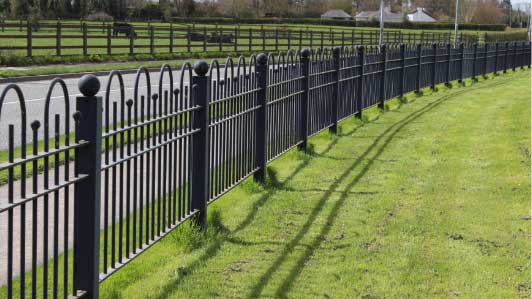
305	53
262	59
201	67
89	85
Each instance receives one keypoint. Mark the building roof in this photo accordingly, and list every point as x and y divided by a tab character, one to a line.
420	15
389	16
336	14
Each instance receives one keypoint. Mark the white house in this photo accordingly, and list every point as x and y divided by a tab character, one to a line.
336	14
389	16
420	15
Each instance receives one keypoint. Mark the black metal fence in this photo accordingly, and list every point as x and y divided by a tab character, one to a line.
79	205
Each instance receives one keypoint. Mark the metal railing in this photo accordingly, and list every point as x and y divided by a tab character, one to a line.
88	199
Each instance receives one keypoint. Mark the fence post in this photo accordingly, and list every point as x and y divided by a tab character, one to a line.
236	39
486	50
289	36
58	39
462	60
171	41
29	46
505	58
250	37
263	39
131	45
300	39
87	191
403	70
321	42
261	121
84	28
276	39
109	40
152	40
360	83
448	71
336	90
189	34
434	63
303	109
514	58
383	77
523	56
200	144
419	60
475	57
496	59
311	39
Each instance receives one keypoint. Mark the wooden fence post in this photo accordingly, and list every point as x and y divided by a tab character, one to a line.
152	40
85	37
29	40
58	39
171	41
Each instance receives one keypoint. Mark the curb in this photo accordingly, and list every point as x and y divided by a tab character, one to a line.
66	76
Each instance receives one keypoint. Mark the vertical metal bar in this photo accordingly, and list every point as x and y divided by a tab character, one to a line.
236	39
189	34
200	152
261	118
263	38
303	109
250	40
383	77
360	82
87	191
475	57
204	39
336	90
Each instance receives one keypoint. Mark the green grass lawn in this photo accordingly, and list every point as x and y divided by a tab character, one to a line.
429	200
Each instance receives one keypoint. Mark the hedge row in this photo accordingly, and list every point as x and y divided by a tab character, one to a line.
508	36
352	23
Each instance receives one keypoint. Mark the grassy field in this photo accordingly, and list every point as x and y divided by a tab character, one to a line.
97	38
429	200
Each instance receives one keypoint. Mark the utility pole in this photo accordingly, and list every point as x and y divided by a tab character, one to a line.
456	23
381	35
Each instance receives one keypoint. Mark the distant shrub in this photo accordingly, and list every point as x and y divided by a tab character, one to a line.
99	16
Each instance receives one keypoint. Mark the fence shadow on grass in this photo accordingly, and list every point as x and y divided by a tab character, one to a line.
386	138
213	248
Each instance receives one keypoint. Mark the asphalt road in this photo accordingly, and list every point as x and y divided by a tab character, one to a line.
35	97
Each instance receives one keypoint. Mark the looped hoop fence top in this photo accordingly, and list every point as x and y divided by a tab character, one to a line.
111	184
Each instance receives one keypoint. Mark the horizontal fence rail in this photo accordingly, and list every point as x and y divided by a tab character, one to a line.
78	202
59	38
